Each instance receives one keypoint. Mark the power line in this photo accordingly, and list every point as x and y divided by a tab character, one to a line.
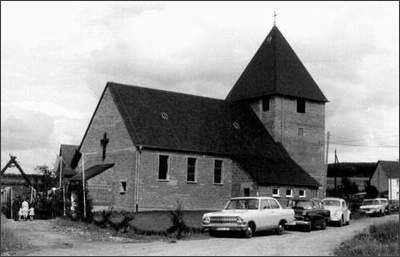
358	145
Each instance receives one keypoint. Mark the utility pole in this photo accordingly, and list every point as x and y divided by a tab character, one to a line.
83	185
335	165
327	148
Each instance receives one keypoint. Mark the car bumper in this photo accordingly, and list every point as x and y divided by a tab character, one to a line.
373	211
298	223
221	227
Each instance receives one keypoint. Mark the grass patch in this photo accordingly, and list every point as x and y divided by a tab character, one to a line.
10	241
377	240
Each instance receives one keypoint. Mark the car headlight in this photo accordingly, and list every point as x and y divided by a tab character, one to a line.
336	214
240	221
206	220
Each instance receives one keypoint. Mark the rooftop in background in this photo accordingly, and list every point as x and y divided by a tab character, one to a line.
391	168
352	169
67	152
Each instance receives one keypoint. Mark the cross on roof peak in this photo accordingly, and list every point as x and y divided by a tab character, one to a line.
274	18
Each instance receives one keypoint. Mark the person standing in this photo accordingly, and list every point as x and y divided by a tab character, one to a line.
15	207
25	209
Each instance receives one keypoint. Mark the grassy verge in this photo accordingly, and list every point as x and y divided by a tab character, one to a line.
10	241
377	240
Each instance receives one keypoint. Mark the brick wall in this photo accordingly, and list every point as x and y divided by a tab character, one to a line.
155	194
283	121
105	189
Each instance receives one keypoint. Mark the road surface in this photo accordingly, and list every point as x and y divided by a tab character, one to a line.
321	242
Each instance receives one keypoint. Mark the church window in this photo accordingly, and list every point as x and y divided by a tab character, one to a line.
302	193
265	104
275	192
289	193
123	187
301	105
163	167
246	191
191	170
300	132
218	172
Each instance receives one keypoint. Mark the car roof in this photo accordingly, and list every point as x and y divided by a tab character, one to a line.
252	197
333	198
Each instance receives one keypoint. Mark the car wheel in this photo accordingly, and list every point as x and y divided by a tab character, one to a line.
307	228
341	221
213	233
249	232
281	227
323	225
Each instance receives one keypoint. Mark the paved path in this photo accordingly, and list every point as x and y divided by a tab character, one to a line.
320	242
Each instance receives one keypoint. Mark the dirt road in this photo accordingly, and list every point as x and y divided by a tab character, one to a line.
320	242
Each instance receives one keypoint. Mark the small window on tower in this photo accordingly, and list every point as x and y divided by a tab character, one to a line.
123	187
300	132
301	105
265	104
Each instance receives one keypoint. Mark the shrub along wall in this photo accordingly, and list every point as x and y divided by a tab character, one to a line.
151	222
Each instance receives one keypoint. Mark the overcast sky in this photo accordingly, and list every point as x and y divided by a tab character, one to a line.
57	57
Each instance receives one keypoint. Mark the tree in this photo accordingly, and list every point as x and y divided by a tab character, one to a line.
345	190
48	180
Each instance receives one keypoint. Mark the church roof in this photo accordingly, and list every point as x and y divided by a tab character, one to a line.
275	69
180	122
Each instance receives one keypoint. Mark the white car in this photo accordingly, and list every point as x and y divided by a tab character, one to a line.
340	213
377	206
250	215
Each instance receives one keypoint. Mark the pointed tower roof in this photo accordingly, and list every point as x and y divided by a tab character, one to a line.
275	69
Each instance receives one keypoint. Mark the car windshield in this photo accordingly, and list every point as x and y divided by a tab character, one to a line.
304	204
242	204
370	202
331	203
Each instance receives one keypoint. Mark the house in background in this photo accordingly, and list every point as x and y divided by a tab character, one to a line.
265	138
386	179
24	185
357	172
63	163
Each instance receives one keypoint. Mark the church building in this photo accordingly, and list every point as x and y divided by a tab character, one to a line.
265	138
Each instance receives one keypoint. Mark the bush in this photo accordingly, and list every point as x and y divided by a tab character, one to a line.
377	240
154	222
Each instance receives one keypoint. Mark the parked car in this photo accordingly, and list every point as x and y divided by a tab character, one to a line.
377	206
310	214
394	206
249	215
339	212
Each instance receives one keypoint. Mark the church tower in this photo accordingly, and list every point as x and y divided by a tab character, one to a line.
288	102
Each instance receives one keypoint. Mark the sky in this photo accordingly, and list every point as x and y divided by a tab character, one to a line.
56	58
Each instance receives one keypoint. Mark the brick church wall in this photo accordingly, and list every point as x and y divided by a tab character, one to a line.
105	189
155	194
